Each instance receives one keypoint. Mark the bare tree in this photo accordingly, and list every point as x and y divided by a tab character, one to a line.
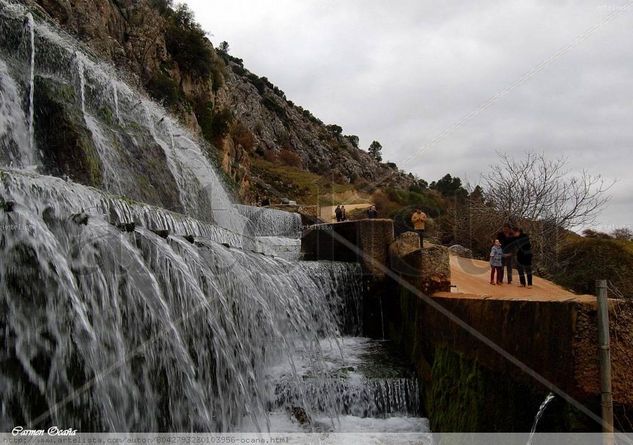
623	233
535	188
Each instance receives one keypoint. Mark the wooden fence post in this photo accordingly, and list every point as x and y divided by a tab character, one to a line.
605	362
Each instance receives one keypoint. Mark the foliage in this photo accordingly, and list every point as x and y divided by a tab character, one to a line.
336	129
582	261
215	125
450	187
224	46
187	43
289	157
271	104
622	233
375	150
164	89
352	139
296	183
419	186
235	60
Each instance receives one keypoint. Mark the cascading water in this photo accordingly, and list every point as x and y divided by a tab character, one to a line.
14	136
126	310
115	99
539	414
31	25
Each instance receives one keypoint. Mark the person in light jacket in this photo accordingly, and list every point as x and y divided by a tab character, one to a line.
418	219
496	263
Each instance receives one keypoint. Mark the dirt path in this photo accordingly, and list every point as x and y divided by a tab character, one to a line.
473	277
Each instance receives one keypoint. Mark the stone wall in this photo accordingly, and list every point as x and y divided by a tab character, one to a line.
557	339
365	241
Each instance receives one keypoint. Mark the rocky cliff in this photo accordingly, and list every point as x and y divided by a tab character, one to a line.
245	117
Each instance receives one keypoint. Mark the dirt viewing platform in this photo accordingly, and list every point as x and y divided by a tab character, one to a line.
471	279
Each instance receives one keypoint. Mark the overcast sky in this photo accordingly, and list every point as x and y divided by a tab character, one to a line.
445	86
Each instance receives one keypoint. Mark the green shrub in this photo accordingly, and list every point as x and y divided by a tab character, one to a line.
336	129
164	89
187	43
215	125
582	261
273	106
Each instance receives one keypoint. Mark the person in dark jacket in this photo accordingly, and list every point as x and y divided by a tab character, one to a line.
506	238
339	213
524	257
372	213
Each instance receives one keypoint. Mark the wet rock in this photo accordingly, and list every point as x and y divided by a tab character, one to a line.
299	414
189	238
61	129
7	206
80	218
163	233
126	227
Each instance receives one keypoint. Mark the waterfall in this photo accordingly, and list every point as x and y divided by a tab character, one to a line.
79	60
115	98
15	148
31	25
539	414
146	299
141	319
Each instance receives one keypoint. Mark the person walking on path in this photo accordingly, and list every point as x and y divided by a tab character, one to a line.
524	257
339	213
418	219
506	238
343	214
372	213
496	263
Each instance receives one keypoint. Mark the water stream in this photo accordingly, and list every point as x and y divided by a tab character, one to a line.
539	414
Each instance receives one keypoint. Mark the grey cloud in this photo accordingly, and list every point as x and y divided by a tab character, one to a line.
403	72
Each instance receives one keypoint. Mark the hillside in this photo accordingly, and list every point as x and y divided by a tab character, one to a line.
253	128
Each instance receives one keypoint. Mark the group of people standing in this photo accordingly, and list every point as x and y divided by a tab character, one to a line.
511	246
339	212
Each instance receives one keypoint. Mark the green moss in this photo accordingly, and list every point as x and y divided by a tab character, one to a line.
465	396
105	113
456	395
164	89
299	184
60	127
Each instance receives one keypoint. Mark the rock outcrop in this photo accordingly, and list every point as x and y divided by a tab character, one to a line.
428	269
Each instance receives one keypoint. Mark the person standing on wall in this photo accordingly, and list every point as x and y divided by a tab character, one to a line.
339	213
524	257
506	238
496	262
418	219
